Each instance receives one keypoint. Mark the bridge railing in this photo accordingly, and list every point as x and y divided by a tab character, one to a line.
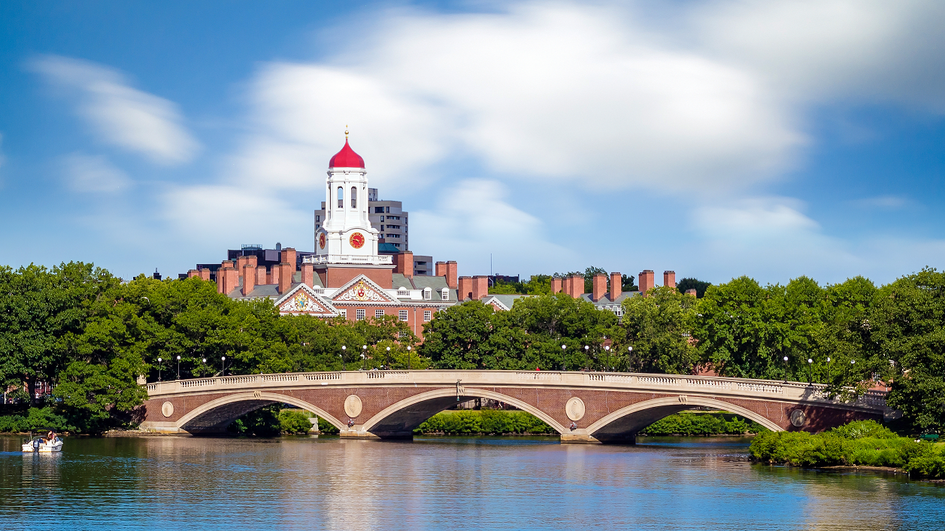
618	381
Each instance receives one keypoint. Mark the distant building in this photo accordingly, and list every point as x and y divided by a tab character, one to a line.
353	272
387	217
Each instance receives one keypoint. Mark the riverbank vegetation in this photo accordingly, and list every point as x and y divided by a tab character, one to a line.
697	424
861	443
88	336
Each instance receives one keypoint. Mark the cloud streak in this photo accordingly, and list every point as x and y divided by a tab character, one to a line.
121	115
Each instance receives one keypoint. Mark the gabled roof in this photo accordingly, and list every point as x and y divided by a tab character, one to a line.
303	300
605	300
361	289
503	302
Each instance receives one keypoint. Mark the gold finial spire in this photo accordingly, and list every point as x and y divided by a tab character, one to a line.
346	132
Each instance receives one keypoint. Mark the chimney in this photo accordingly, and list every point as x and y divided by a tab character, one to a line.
252	260
556	285
308	275
480	287
240	263
261	275
204	274
289	257
227	278
465	288
452	270
645	281
691	291
193	273
249	279
616	286
599	287
273	277
403	263
577	286
285	276
669	279
221	277
439	270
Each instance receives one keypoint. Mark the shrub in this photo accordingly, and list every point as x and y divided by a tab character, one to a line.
690	424
327	428
485	422
292	421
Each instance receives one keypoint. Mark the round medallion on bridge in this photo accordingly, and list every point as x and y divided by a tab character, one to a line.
353	406
575	408
798	418
167	409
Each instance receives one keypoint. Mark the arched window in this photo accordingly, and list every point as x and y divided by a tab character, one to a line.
341	197
354	197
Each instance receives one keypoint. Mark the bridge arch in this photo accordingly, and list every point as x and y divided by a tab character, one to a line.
216	415
402	417
626	422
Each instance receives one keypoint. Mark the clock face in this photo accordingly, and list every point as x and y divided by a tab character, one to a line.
356	240
321	240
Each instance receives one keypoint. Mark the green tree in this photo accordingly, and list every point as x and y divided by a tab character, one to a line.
40	310
458	338
691	283
658	327
908	323
732	331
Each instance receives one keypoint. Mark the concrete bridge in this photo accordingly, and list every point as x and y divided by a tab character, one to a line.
586	407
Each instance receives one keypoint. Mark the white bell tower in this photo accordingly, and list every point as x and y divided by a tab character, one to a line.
346	236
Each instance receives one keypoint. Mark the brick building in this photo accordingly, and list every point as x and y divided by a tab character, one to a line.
346	275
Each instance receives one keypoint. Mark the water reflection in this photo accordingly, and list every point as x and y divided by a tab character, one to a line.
441	483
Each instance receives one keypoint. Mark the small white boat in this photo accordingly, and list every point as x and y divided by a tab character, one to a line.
41	444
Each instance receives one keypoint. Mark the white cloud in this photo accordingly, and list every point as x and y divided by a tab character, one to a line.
834	49
558	91
226	215
86	173
884	202
121	115
474	219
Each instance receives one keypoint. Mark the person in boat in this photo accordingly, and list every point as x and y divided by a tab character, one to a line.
51	437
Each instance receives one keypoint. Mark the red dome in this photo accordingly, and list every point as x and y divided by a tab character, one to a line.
346	158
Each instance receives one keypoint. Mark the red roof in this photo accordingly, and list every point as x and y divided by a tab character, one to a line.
346	158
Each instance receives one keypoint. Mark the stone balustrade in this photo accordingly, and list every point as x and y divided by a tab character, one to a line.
715	385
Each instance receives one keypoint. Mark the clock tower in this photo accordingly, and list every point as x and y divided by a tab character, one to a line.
346	236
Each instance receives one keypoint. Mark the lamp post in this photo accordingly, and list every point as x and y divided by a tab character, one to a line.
587	357
223	366
408	357
828	370
159	369
564	357
810	371
785	368
363	355
607	350
178	366
388	358
342	356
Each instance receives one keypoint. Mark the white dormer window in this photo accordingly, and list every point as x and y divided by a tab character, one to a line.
402	292
445	294
427	294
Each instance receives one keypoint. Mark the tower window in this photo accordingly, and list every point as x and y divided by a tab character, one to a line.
354	197
341	197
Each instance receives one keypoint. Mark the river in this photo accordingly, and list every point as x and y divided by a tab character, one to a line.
442	483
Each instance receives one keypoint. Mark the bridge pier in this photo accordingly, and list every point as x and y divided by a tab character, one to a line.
578	436
356	432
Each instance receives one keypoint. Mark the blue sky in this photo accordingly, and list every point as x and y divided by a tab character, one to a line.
715	138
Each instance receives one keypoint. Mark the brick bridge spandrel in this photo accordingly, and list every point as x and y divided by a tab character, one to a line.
582	407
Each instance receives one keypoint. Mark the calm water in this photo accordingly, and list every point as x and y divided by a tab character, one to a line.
441	483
